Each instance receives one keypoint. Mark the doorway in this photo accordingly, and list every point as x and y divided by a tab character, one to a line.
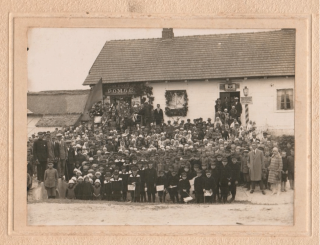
229	97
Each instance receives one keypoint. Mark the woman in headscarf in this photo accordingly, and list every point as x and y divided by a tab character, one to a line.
275	169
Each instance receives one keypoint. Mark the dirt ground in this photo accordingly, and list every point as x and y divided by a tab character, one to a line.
248	209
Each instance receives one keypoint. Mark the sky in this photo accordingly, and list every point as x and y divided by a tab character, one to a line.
60	58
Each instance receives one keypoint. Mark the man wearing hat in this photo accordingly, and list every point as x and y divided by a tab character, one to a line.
40	154
150	175
62	156
256	165
70	160
238	107
158	115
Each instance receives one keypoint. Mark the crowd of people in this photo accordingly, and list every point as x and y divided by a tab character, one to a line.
194	161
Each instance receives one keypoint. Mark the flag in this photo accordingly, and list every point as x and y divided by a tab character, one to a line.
95	95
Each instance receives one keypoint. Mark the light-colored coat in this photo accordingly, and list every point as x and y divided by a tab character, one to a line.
255	164
63	150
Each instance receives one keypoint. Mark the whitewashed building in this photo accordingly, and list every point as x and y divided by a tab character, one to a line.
257	67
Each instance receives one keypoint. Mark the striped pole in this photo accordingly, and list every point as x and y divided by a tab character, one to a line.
247	113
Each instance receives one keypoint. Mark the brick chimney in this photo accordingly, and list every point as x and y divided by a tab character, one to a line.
167	33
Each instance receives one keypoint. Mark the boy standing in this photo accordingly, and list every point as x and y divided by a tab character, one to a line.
106	189
151	178
245	169
225	179
124	176
198	183
161	181
235	176
184	186
116	186
209	186
173	182
51	180
135	180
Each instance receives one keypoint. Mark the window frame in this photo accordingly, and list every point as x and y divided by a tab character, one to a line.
276	100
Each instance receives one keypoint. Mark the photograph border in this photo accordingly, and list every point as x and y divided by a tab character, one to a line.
19	25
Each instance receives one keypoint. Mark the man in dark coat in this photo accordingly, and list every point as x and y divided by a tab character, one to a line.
238	107
158	115
146	112
150	175
40	153
70	160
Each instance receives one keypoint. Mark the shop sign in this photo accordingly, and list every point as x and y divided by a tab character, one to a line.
118	89
230	87
246	100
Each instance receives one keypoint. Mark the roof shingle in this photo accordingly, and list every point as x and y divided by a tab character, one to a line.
196	57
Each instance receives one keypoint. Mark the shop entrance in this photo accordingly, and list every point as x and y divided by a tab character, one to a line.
230	97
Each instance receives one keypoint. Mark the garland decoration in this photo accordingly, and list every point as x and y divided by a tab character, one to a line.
176	95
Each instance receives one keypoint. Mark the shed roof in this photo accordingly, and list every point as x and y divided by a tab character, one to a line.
196	57
58	120
57	102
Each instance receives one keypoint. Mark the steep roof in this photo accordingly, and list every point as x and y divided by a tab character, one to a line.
57	102
196	57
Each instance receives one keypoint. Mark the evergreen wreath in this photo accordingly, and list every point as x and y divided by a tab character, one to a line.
176	112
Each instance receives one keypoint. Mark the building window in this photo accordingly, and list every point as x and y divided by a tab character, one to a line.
285	99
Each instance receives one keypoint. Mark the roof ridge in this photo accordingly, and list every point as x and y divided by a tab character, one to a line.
205	35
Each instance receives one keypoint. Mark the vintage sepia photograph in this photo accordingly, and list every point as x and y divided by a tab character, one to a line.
160	126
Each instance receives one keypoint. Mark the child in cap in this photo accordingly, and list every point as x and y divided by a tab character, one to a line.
209	186
184	186
70	194
51	180
225	179
97	190
135	180
173	182
161	181
235	176
116	186
106	190
78	188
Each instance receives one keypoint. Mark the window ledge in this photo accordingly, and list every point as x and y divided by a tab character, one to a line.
284	111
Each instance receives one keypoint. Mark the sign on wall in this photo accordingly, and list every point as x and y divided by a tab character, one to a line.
246	100
229	87
118	89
